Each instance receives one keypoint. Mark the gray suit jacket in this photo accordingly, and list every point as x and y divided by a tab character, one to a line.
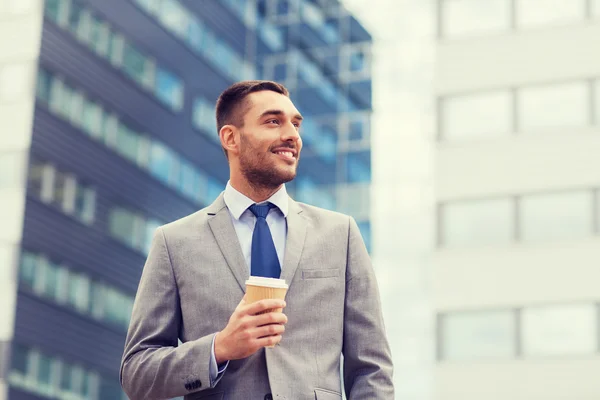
193	280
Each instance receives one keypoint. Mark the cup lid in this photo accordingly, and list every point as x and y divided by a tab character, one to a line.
268	282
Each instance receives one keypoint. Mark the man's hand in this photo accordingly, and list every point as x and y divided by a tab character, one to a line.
247	330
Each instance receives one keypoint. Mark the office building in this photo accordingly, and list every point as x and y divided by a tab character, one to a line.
517	189
108	131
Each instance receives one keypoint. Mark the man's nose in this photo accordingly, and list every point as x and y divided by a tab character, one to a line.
290	133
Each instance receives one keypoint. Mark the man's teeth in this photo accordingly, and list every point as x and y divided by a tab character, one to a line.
285	153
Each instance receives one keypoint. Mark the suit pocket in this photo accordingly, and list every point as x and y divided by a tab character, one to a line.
320	273
326	394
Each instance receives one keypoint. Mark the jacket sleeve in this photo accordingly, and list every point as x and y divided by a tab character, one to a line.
153	365
367	357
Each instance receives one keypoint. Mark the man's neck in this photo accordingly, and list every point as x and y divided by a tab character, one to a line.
255	193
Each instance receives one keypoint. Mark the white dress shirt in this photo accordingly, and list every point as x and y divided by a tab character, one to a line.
243	222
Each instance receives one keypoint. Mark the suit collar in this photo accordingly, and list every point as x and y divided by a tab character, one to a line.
297	226
222	227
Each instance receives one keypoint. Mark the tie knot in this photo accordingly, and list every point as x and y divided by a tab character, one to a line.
261	211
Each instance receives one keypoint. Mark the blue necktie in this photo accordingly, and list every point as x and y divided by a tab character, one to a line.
264	260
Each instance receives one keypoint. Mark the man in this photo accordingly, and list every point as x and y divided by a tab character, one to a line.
192	286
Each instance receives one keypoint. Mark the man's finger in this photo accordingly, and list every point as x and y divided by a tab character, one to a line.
263	305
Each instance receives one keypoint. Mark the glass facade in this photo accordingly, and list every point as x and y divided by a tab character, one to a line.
124	140
101	38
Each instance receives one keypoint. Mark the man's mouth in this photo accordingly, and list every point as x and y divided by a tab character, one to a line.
286	153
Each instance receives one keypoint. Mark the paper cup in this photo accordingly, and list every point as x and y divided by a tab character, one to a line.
259	288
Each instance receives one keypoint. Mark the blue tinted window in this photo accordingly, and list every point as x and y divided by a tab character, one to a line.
357	61
326	145
272	35
282	7
52	9
214	189
356	130
169	88
161	162
357	171
195	35
280	72
365	230
330	32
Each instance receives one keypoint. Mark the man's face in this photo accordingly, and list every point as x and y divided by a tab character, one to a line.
270	143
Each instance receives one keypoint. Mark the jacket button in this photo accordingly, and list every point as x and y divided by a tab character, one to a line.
268	396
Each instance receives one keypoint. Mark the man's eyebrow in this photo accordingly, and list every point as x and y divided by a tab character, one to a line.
279	113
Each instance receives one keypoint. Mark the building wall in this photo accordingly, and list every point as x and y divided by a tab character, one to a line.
19	48
516	187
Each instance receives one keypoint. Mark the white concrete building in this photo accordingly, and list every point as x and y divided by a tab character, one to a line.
517	266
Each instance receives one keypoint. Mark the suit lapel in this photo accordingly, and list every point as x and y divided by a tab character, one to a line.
224	232
296	234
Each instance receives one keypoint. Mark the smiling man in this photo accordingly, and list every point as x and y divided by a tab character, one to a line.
192	286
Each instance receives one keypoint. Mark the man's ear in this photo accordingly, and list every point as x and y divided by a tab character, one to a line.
229	138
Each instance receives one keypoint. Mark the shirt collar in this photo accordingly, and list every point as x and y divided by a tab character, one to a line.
237	202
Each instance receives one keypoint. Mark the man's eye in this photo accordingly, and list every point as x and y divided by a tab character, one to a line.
271	121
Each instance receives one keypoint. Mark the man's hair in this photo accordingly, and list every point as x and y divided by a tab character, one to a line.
232	104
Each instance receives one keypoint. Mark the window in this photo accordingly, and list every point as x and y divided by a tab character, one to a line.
326	148
559	330
92	119
50	280
43	86
101	38
53	9
79	292
477	223
136	65
477	335
85	204
44	373
122	225
127	142
272	35
468	17
169	89
365	230
162	162
63	190
312	15
357	169
97	295
204	117
174	17
28	270
20	359
105	127
534	13
553	107
556	216
480	115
